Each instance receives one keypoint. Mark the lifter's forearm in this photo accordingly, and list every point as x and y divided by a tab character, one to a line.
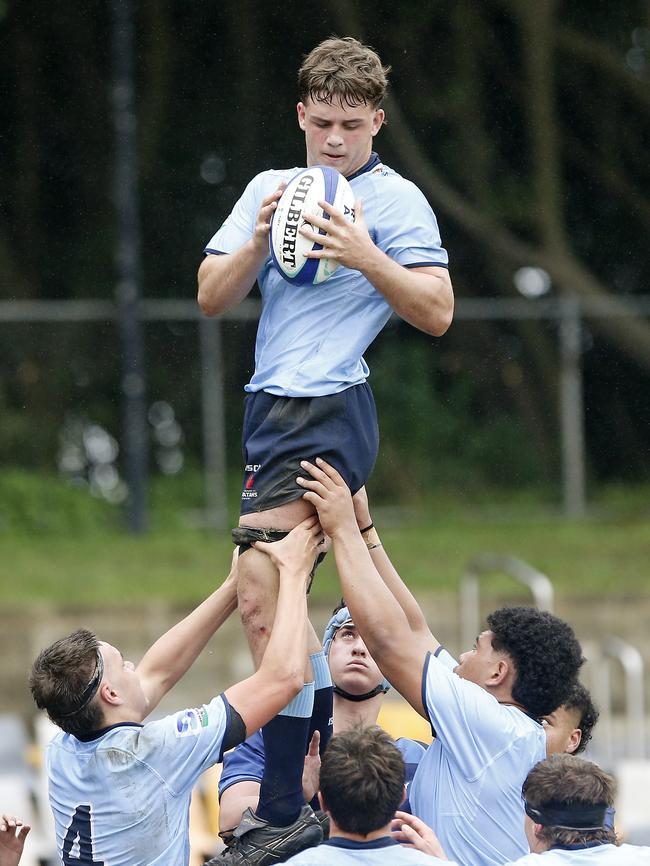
225	280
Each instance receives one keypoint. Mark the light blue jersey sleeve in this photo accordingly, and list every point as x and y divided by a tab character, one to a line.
469	722
181	746
240	224
405	227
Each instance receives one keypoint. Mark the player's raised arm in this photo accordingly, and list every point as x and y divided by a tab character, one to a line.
281	672
225	280
416	619
176	651
382	623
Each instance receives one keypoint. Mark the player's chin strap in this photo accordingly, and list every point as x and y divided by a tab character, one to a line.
381	689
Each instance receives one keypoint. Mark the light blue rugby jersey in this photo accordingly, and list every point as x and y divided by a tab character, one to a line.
311	339
595	855
467	787
123	798
380	852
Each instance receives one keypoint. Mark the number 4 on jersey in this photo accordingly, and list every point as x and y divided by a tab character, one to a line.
79	832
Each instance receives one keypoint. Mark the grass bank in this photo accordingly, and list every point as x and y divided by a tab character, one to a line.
59	544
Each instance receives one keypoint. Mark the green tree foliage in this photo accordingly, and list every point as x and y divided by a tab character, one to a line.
526	122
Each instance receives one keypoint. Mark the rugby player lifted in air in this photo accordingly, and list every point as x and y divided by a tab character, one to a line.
308	395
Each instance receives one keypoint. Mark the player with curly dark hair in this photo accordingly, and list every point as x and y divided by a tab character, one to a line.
569	728
485	710
536	641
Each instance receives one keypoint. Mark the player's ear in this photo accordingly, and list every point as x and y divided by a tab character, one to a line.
109	695
300	108
377	121
500	672
322	802
574	740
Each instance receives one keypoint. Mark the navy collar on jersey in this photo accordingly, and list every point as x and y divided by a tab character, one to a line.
373	162
95	735
354	845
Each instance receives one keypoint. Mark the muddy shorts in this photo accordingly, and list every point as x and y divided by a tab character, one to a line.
279	432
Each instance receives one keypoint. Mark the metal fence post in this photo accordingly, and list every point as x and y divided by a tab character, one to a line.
538	583
572	409
214	428
128	260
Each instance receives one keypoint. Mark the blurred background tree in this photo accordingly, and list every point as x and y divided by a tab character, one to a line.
526	123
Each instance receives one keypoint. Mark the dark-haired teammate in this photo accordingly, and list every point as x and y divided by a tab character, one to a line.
361	786
309	394
485	713
120	787
569	728
359	690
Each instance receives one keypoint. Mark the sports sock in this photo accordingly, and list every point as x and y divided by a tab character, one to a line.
285	745
321	717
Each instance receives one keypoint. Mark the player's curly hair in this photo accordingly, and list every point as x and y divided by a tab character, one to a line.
580	699
345	70
362	779
62	675
546	654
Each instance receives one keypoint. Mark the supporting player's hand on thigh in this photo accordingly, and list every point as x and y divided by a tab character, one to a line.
412	832
345	242
330	495
294	555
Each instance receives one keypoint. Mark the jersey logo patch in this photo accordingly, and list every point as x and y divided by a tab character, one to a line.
190	722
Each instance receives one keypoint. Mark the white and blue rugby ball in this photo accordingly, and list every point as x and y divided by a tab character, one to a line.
288	246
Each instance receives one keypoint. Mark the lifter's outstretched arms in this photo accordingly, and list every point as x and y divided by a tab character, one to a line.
225	280
280	675
399	651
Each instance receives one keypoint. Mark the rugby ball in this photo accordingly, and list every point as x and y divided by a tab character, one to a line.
288	246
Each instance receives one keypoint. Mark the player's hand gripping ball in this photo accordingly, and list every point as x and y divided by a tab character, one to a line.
288	246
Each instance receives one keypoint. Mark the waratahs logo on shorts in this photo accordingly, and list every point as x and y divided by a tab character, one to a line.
190	722
249	492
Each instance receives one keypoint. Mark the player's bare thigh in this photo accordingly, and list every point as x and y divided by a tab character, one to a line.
283	517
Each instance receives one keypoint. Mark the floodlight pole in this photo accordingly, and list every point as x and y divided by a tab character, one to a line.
128	263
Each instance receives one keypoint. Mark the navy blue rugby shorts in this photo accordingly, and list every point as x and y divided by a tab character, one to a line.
279	432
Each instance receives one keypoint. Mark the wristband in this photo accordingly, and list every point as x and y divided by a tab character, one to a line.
371	537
